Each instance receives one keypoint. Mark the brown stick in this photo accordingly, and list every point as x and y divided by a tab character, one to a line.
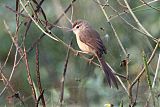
30	81
38	78
64	74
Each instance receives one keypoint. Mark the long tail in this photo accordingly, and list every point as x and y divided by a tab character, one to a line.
108	72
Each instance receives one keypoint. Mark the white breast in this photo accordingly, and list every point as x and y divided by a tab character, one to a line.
83	46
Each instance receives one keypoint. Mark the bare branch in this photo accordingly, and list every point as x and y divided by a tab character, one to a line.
64	74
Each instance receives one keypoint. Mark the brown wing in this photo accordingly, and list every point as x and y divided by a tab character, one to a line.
92	39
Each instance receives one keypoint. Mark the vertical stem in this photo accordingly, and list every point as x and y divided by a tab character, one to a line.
30	81
38	76
63	76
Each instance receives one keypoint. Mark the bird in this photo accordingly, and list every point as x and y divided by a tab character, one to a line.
89	41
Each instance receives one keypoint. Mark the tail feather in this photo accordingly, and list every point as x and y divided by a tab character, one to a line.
108	72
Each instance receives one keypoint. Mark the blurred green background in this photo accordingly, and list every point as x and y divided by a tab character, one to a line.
85	84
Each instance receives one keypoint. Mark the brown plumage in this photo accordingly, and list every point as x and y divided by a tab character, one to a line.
90	42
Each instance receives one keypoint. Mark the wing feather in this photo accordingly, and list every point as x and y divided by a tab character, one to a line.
92	39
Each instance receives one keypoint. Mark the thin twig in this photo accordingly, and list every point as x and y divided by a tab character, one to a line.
11	75
154	8
133	27
30	81
72	12
45	32
17	18
133	9
156	73
137	21
14	11
6	60
148	62
120	75
119	2
64	74
135	101
39	98
17	95
6	83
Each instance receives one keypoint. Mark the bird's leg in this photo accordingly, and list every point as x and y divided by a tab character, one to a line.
91	59
77	53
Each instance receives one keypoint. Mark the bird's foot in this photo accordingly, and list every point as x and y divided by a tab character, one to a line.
77	53
91	59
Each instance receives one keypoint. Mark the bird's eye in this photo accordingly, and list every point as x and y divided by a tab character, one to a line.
77	27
